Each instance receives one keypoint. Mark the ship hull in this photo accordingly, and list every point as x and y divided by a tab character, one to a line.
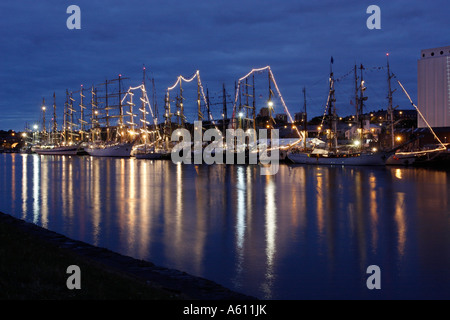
58	151
371	159
121	150
152	155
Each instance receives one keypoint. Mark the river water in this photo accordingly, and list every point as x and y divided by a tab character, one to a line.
307	232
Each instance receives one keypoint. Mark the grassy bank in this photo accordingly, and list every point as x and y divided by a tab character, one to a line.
35	268
34	262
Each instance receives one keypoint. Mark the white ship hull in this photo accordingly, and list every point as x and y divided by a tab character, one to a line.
369	159
110	150
58	151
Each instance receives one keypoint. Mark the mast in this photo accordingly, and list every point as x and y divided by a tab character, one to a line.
143	111
82	107
254	105
390	107
94	114
44	130
208	111
66	112
332	112
55	125
240	105
224	109
356	97
270	103
71	123
167	119
199	111
362	98
305	128
130	113
120	103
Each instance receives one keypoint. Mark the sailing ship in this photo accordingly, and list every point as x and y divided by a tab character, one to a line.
120	138
151	140
54	145
437	155
334	154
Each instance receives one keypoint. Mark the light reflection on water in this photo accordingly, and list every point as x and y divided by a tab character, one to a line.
305	233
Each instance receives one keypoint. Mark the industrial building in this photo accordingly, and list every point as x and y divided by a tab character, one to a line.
433	87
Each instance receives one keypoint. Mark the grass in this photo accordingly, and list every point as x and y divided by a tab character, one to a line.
33	268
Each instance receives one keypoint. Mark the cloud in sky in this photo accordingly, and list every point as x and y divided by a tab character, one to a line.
222	39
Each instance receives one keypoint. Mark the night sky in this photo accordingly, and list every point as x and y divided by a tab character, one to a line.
224	40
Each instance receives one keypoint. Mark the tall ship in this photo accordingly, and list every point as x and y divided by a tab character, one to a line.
150	142
54	142
110	134
333	153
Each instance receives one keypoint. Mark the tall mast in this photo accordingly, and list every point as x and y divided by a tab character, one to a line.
224	110
72	111
199	111
143	111
66	112
305	128
356	97
254	105
94	113
208	111
44	130
130	112
332	111
181	106
108	131
167	119
361	102
82	107
120	103
55	125
390	107
246	104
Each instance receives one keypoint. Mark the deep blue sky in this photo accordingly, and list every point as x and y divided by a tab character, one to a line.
222	39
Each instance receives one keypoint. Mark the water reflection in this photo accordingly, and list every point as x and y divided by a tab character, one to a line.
271	228
307	232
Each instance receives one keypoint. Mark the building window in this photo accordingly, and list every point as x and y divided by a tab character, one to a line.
442	52
423	55
432	54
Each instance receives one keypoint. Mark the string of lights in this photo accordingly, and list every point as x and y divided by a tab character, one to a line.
423	118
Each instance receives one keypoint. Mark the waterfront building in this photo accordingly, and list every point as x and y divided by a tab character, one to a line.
433	87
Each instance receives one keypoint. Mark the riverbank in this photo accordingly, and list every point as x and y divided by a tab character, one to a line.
34	261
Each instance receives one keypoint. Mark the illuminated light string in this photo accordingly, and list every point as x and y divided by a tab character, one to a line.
196	75
146	101
279	94
423	118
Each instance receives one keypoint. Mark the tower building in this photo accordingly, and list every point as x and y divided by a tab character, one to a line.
433	87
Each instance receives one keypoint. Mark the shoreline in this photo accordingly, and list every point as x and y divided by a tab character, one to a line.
181	284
